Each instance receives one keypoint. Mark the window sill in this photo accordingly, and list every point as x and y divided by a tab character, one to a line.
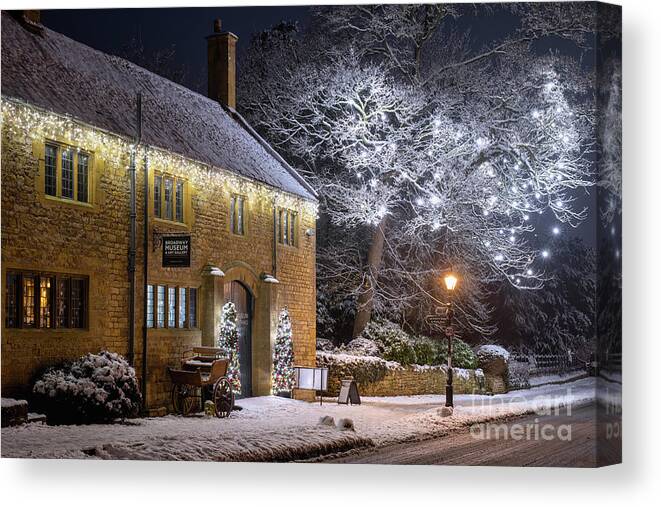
172	223
70	202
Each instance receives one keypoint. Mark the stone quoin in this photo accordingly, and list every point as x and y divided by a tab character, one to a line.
70	140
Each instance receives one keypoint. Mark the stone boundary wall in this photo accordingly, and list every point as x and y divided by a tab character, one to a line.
377	377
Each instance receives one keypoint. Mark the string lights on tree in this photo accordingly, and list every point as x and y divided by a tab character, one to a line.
228	341
283	356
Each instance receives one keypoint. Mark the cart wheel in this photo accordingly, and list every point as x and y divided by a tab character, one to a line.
183	399
223	398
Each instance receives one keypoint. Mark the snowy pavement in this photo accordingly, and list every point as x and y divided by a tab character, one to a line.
279	429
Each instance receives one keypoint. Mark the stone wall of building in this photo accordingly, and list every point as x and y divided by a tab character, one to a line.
44	234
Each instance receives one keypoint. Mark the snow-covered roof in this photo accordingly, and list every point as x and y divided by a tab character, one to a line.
54	72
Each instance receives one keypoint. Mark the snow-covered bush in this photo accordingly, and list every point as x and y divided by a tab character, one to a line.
325	345
361	347
393	342
363	369
462	355
493	359
518	375
426	350
492	352
95	388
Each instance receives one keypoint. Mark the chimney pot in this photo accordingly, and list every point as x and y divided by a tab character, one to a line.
217	25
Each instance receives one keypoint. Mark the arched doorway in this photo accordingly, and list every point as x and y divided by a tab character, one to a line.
239	294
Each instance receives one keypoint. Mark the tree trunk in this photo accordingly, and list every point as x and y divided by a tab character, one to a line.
374	258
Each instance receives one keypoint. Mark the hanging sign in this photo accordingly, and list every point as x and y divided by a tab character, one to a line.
176	251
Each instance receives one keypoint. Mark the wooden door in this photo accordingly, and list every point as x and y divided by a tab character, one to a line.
237	293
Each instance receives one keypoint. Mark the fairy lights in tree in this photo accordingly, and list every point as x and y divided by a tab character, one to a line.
227	340
283	356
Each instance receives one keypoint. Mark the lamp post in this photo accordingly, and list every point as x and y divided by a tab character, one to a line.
450	284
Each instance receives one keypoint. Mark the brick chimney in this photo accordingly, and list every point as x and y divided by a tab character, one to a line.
31	20
221	57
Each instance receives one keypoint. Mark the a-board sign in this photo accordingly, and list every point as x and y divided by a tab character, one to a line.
349	393
176	251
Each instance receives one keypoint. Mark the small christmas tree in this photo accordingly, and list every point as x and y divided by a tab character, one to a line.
283	357
228	341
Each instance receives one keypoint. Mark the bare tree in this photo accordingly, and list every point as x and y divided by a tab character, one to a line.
437	157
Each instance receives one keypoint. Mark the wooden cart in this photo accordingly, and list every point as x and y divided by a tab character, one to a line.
191	385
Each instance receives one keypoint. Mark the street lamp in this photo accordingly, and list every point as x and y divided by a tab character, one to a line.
450	284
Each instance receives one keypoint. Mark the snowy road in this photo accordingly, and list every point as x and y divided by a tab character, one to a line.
277	429
492	448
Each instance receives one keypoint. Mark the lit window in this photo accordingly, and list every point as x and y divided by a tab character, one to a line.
51	170
287	227
158	194
172	306
150	306
182	307
11	300
47	300
179	201
28	301
160	306
169	198
192	307
83	176
67	173
62	297
77	302
237	215
168	186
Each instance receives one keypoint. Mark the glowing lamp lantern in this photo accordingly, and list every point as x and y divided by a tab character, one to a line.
450	281
312	378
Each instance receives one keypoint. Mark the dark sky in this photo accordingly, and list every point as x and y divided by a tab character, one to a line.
185	29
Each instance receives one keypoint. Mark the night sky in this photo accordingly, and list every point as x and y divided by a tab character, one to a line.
185	29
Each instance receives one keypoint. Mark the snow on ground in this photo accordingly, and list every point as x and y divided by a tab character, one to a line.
539	380
279	429
11	402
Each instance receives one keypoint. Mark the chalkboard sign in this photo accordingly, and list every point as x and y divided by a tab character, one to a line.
176	251
349	393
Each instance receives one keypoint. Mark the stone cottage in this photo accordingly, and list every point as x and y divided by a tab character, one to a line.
133	208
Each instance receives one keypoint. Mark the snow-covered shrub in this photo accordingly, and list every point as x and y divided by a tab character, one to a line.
95	388
361	347
518	375
363	369
393	342
325	345
493	359
492	351
462	355
426	350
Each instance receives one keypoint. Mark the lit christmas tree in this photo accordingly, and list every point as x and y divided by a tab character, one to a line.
283	357
228	340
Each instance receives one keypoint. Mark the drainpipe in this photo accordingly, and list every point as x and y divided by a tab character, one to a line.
274	260
132	232
145	269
